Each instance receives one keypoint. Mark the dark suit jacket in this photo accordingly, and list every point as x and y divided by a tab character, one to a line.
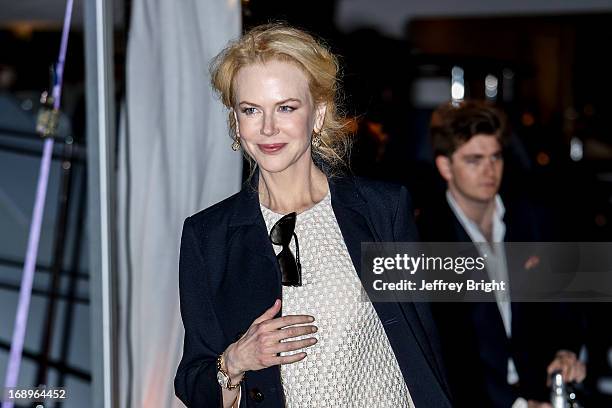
474	342
229	276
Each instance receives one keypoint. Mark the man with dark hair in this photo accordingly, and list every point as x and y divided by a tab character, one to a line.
497	353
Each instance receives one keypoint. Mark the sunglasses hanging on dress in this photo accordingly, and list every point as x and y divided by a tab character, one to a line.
281	234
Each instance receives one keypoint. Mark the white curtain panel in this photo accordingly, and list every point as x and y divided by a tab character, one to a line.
175	158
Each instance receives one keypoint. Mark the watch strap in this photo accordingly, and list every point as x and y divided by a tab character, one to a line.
223	370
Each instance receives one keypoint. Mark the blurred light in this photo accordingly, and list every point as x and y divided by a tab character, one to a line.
457	84
377	131
22	30
508	73
527	119
491	86
543	159
457	72
491	93
576	149
491	81
457	91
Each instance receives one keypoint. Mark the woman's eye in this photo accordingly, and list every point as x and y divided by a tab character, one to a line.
286	108
248	111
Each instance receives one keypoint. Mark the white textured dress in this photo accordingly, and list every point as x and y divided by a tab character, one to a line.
352	365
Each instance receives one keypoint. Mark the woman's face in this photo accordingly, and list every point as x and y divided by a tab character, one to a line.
275	115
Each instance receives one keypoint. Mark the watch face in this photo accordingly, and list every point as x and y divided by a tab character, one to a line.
222	379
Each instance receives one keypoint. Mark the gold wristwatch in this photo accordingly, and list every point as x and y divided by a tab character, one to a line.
223	377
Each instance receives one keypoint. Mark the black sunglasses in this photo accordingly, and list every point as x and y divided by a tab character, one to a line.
281	234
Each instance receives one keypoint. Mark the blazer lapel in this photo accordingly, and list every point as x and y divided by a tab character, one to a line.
247	216
353	218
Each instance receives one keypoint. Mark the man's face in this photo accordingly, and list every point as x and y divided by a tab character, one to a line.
474	171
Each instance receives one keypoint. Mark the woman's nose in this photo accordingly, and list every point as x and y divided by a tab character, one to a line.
268	127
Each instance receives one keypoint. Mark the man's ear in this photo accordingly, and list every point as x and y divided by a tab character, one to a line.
443	165
320	111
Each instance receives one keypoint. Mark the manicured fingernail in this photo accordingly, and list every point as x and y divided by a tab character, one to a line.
314	329
311	319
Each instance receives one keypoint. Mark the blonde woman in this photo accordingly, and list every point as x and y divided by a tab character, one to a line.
269	278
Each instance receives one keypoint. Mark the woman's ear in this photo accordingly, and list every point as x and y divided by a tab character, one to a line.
320	111
233	112
444	167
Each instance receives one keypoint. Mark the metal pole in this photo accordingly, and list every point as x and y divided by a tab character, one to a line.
68	319
59	241
101	198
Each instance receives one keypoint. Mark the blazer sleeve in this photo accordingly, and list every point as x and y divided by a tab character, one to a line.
195	383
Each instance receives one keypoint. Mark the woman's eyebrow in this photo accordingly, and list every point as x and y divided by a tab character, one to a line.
277	103
289	100
248	103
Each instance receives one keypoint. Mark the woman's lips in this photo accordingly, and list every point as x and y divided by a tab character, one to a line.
271	148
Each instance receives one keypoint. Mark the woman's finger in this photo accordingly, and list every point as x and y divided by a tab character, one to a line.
270	313
289	359
294	331
293	345
289	320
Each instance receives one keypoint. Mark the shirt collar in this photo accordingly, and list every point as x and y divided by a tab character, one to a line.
472	228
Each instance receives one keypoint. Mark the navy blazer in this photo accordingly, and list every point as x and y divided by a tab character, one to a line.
473	334
228	276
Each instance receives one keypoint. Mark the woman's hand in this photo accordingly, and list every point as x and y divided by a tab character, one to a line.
258	348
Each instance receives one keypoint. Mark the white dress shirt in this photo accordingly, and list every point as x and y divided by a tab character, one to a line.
495	260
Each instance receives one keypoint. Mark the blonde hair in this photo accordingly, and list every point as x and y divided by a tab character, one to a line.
279	42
